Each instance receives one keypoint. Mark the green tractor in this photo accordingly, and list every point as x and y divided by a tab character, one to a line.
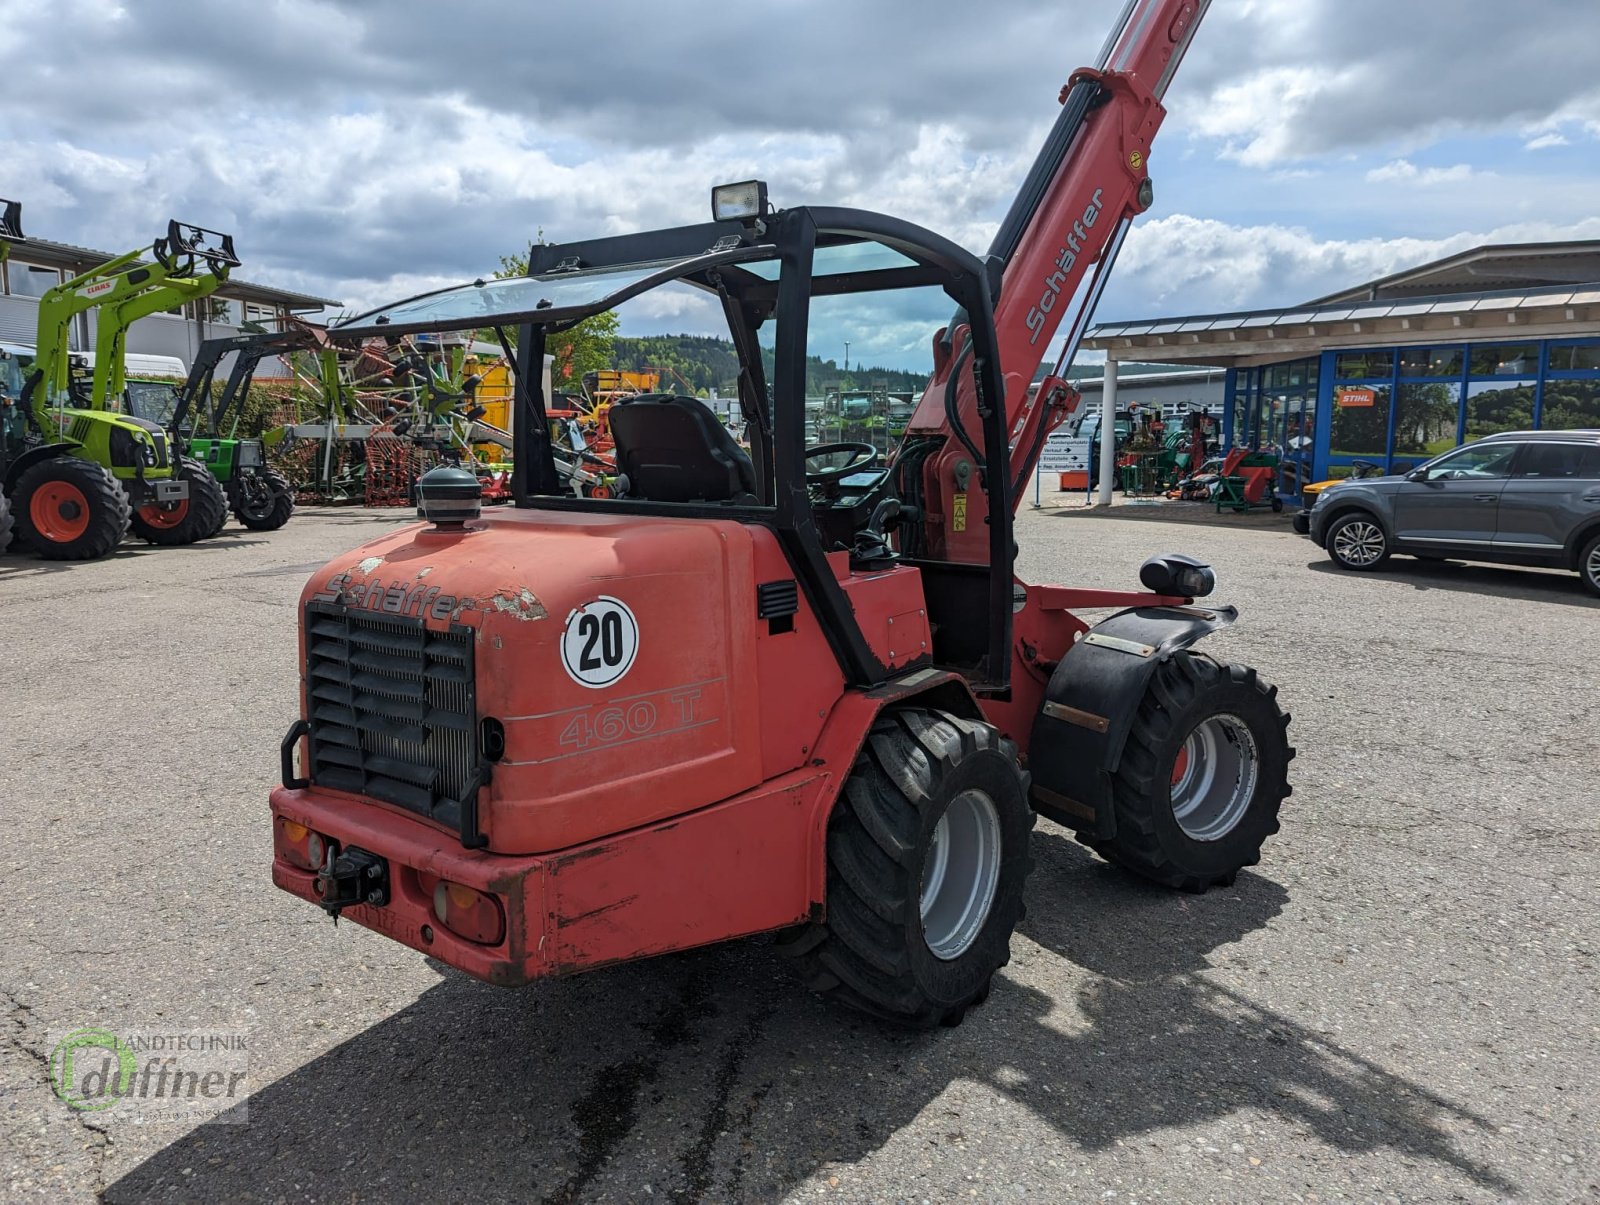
203	422
77	472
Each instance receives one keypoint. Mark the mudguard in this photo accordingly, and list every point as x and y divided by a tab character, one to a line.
1090	703
33	456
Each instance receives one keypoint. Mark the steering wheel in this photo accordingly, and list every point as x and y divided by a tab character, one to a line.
864	455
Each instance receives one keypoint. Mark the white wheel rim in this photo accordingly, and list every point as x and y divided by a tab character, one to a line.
1593	567
960	874
1214	777
1359	543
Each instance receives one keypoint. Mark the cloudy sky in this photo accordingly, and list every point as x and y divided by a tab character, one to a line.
365	151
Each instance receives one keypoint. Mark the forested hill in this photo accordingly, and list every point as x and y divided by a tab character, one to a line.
707	363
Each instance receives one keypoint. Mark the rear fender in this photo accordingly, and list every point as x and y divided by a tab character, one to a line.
33	456
1090	704
845	733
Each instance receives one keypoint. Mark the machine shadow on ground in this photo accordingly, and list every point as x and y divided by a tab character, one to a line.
713	1075
1529	585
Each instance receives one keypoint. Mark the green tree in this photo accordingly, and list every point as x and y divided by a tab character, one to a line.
1494	407
1425	423
1570	404
584	348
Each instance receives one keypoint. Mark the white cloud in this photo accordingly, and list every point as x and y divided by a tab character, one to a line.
1279	81
1183	264
366	153
1255	116
1403	170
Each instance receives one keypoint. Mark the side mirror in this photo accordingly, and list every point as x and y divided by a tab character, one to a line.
1174	573
1417	475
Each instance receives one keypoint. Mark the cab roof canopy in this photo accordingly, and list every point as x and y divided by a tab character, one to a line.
856	251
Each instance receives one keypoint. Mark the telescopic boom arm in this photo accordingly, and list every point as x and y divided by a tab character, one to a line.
1089	182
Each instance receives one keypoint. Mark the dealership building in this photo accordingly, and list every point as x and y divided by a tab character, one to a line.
1396	370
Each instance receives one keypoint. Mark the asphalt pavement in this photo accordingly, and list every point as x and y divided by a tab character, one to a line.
1399	1003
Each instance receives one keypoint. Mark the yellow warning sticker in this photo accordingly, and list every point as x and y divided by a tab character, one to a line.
1135	160
958	521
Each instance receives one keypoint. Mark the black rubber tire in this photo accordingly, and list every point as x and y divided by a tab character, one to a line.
5	522
1339	525
870	951
1277	504
108	509
207	509
222	513
262	514
1185	691
1588	556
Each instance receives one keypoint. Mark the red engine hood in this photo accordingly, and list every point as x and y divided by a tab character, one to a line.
606	648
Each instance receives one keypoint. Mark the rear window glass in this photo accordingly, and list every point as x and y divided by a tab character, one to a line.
1552	460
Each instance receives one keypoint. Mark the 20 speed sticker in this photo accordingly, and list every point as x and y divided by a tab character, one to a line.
599	643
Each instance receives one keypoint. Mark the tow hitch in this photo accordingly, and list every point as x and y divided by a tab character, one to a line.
353	876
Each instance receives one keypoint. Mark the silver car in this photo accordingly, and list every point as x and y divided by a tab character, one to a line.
1516	498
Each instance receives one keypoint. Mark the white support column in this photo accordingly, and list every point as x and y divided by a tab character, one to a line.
1108	432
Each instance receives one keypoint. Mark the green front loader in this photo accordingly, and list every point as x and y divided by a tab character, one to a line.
203	421
77	472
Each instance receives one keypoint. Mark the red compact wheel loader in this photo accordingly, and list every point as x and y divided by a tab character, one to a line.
788	689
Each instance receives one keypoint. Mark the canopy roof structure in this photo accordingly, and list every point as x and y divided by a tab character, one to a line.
1444	301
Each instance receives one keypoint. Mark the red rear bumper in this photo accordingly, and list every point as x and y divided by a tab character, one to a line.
412	849
739	867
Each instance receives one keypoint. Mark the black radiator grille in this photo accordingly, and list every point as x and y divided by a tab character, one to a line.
392	710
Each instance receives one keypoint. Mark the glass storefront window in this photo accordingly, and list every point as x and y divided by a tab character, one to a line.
1308	425
1498	406
1246	395
1273	406
1361	421
1513	361
1569	405
1583	358
1430	362
1363	365
1426	418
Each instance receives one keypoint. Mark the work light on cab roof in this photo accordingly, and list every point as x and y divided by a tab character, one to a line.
745	201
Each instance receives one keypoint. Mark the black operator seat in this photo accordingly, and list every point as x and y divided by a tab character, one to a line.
673	448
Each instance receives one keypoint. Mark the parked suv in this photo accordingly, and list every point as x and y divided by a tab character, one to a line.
1517	498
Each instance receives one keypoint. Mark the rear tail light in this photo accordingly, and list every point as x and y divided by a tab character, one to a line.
299	845
469	913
